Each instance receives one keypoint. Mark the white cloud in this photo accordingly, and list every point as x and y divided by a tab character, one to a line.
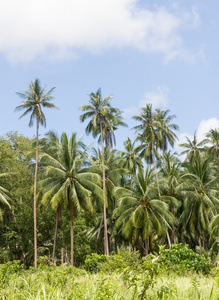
158	97
55	28
205	126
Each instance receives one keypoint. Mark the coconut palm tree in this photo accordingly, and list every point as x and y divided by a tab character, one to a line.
67	181
199	188
213	138
140	209
35	98
113	174
148	135
170	174
165	129
191	147
104	119
130	159
4	197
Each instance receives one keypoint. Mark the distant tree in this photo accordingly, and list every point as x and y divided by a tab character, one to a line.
35	98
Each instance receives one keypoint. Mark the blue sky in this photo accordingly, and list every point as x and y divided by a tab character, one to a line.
160	52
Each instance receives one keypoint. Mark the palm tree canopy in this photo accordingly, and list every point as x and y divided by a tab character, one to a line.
102	114
35	98
141	208
66	178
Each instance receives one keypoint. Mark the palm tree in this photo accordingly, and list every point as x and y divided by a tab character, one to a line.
213	138
35	98
140	209
4	198
104	118
199	188
191	147
170	174
130	157
113	174
165	129
66	181
148	135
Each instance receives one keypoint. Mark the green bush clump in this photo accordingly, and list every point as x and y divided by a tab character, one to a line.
180	259
114	262
92	262
10	268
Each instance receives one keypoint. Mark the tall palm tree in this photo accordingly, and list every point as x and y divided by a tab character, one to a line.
67	181
141	209
213	138
35	98
165	129
104	118
170	174
113	174
148	135
130	157
199	188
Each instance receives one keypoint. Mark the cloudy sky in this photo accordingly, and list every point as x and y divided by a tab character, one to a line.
161	52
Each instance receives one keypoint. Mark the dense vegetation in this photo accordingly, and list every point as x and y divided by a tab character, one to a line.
86	201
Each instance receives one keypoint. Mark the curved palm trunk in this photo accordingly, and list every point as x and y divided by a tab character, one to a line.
106	247
34	196
72	231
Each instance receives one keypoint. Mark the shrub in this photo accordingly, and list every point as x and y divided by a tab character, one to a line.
92	262
180	259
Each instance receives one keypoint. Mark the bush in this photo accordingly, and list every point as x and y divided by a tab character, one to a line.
10	268
114	262
92	262
180	259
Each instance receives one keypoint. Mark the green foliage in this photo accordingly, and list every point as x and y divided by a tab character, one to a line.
180	259
92	261
114	262
8	269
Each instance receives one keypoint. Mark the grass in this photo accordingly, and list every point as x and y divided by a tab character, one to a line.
70	283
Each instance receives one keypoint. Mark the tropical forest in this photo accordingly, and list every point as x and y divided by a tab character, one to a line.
84	222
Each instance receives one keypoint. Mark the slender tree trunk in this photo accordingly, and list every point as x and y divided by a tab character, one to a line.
98	235
106	247
168	238
115	244
155	166
146	245
163	155
55	236
34	196
72	231
173	228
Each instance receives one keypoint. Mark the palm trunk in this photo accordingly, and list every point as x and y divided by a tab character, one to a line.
155	166
106	247
173	228
98	235
55	236
72	231
34	196
146	245
163	155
